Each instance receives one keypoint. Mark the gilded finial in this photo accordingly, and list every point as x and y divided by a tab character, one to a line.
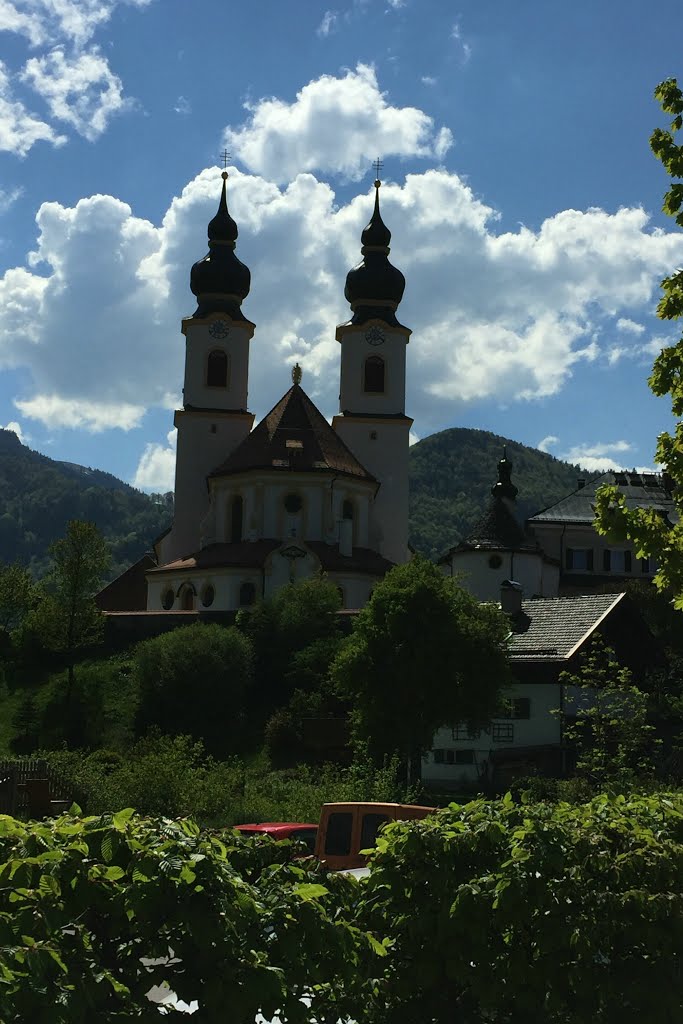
225	156
297	374
378	165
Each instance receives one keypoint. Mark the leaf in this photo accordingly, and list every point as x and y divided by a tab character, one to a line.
121	818
113	873
310	890
49	886
376	946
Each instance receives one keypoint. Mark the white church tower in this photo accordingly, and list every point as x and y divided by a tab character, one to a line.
372	419
214	419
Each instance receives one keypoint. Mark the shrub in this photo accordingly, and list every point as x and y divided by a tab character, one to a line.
551	914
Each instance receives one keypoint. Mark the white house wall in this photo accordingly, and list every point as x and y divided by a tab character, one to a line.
542	727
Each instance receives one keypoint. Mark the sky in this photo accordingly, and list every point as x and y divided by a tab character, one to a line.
518	183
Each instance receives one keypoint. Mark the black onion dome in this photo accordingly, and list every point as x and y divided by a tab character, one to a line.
374	288
504	487
220	281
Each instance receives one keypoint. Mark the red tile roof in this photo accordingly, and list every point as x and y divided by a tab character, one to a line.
253	554
128	592
294	437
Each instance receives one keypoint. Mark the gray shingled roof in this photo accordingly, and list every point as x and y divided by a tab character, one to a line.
551	629
641	490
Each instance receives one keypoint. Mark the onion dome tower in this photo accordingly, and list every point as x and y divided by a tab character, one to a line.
372	419
220	281
214	417
374	288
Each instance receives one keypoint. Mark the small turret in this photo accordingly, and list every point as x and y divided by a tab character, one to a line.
220	281
504	487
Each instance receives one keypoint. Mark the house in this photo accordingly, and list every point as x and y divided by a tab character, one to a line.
547	638
587	561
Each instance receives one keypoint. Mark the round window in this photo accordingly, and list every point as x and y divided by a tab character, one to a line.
293	504
208	594
495	562
167	599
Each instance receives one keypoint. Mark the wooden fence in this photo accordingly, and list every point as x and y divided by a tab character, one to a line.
32	789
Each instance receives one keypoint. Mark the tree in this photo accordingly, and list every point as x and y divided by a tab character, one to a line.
17	594
194	681
423	654
605	719
67	618
295	634
652	534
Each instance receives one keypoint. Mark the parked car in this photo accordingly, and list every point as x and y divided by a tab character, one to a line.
305	833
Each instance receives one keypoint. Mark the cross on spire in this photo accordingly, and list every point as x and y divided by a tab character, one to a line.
225	156
378	165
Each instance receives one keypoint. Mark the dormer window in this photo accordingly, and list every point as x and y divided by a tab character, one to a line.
217	369
373	382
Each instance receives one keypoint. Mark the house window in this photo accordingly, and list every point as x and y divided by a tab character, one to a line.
617	561
236	513
208	595
247	594
217	369
374	375
464	756
503	732
579	559
347	510
187	596
342	600
647	566
167	599
462	731
438	756
515	708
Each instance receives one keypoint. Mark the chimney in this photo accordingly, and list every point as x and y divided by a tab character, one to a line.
511	594
580	483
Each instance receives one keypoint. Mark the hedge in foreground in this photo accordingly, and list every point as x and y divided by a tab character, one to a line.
537	913
82	900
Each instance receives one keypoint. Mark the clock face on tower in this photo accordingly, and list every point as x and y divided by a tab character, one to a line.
219	329
374	336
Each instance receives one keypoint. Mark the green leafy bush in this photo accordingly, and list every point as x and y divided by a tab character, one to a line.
195	680
539	913
95	912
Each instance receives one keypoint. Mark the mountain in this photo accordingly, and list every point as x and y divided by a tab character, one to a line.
39	495
451	475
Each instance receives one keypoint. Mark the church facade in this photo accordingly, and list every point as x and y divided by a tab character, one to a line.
257	508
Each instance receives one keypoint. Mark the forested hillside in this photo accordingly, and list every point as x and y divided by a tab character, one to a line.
451	474
38	496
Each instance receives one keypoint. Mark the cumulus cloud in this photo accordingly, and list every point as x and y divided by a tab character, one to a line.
16	429
45	21
598	457
53	411
496	315
156	468
547	442
463	45
629	326
502	315
19	128
334	124
81	91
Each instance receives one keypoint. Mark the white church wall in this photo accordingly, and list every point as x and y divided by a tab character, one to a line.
481	575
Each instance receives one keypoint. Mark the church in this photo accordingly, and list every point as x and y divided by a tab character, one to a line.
259	507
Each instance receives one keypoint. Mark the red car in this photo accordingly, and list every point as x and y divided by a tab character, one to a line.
284	830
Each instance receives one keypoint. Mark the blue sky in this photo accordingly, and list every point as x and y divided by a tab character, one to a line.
519	187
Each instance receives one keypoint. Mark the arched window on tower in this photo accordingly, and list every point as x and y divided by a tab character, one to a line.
236	515
374	375
217	369
187	596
